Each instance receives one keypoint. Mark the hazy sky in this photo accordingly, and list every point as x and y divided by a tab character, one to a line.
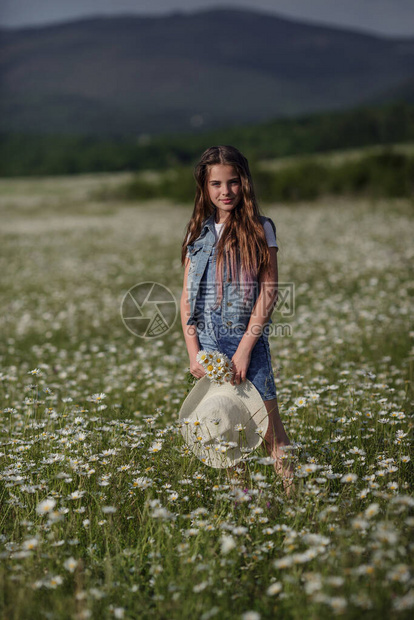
389	17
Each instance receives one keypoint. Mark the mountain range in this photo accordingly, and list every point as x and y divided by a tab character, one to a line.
190	72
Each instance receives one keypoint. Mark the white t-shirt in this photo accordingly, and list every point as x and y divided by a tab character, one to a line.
270	235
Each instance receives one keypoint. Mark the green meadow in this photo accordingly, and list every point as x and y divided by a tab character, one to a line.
104	512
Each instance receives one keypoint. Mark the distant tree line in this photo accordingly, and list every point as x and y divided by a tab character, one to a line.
37	155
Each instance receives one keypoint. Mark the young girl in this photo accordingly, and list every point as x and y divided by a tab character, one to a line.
230	282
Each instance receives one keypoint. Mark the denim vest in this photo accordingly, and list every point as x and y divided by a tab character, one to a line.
235	311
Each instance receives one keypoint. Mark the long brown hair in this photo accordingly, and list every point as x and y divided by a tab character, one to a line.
242	244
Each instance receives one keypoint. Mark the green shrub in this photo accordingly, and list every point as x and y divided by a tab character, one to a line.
386	174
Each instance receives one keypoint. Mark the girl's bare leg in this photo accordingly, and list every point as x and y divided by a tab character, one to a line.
275	440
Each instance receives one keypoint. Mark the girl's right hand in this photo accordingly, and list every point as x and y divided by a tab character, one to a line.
197	369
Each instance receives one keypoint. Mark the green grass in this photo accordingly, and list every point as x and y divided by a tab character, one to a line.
336	548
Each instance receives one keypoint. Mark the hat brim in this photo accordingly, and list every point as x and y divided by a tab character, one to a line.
228	447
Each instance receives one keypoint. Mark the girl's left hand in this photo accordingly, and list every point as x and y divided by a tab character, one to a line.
241	362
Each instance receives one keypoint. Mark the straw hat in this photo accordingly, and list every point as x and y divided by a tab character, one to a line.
222	423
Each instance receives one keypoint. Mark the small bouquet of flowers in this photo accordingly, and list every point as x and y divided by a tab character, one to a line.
217	365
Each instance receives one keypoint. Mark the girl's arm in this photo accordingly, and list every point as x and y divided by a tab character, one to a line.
189	331
260	316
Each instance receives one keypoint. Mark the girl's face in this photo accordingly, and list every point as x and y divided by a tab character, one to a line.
224	189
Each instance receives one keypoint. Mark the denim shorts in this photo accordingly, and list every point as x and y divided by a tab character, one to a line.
226	340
